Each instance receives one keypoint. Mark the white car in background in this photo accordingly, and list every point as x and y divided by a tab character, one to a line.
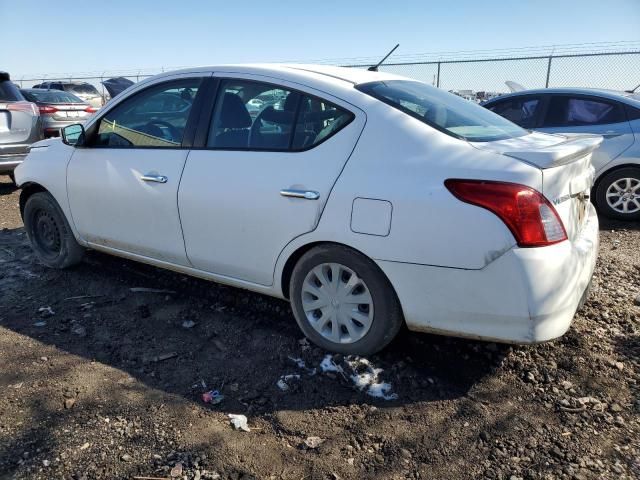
612	114
366	199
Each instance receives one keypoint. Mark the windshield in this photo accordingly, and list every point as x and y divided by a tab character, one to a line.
83	89
50	96
445	111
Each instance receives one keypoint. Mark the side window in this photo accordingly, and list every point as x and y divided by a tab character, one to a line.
156	117
253	115
318	120
521	111
259	116
578	111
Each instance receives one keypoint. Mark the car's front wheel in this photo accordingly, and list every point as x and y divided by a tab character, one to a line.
49	232
343	302
618	194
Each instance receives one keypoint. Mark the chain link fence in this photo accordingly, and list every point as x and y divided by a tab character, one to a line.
471	77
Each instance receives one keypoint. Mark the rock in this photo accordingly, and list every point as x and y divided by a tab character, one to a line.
84	446
69	403
615	407
46	463
405	453
80	331
176	471
636	302
188	324
126	458
313	442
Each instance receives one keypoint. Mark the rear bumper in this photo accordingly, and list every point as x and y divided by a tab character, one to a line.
527	295
9	162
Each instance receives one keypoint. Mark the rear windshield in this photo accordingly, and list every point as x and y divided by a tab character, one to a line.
50	96
9	92
85	89
444	111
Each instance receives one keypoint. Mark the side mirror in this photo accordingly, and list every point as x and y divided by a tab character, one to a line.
73	135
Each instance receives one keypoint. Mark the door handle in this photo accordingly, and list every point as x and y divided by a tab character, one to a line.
306	194
154	178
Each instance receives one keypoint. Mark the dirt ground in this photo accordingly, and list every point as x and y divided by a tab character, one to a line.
101	382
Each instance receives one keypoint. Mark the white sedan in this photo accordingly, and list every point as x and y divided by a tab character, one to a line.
366	199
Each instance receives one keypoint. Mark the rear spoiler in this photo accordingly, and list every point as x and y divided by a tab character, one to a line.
574	146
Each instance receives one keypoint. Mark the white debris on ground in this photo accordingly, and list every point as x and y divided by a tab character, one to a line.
366	378
239	422
328	365
282	383
301	365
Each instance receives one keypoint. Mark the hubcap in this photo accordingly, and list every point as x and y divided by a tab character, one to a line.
46	232
337	303
623	195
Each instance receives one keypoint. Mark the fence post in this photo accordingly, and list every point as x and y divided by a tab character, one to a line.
546	85
438	76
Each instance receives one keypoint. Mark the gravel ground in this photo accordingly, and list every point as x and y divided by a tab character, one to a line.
102	382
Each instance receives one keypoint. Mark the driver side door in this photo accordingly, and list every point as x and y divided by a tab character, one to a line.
123	184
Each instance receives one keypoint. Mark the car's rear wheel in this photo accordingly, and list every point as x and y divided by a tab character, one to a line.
48	230
343	302
618	194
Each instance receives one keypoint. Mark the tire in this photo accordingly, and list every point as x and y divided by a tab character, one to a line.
48	230
371	324
612	184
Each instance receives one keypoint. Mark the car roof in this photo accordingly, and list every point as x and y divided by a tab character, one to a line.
323	73
626	97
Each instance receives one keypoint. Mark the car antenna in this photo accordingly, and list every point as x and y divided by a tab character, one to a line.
634	90
374	68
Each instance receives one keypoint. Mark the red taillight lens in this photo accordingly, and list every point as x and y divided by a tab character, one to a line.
91	109
24	107
47	110
530	217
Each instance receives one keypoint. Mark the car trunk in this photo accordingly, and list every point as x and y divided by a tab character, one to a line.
67	111
15	124
567	173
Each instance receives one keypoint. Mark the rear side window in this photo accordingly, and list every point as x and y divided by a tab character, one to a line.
581	111
9	92
318	120
443	111
521	111
83	89
252	115
50	96
156	117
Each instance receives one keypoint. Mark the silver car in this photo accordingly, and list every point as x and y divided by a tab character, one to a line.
19	125
58	109
612	114
83	90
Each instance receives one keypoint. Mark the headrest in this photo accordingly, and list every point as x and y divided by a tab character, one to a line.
234	114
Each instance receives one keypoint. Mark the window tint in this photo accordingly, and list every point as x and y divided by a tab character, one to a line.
632	113
577	111
444	111
83	88
253	115
521	111
156	117
9	92
50	96
317	121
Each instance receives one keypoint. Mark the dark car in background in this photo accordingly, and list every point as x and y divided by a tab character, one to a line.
83	90
58	109
20	125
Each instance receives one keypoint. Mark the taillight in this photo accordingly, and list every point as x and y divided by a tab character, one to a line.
91	109
24	107
47	110
526	212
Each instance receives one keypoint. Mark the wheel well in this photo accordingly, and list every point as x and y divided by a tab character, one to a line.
29	189
613	169
290	264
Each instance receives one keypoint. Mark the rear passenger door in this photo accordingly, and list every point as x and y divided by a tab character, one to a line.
590	114
260	174
522	110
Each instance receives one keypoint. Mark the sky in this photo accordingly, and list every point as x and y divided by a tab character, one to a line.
60	37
